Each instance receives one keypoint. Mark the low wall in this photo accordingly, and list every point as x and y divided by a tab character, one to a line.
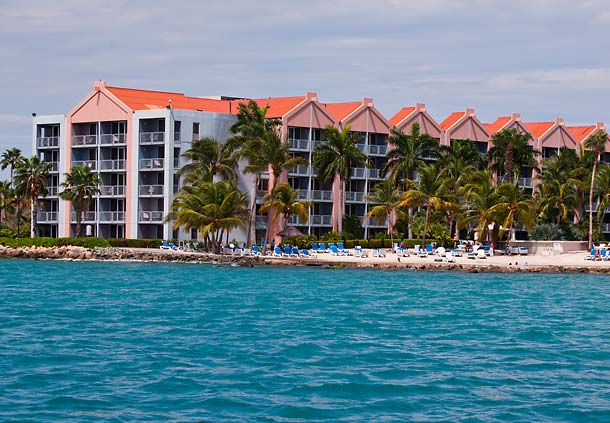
549	248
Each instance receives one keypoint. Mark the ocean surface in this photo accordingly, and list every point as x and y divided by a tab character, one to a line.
126	342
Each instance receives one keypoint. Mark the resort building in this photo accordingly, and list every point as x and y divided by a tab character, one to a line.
135	140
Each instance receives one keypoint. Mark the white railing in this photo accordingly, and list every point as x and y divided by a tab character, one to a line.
525	182
52	191
112	190
358	172
111	139
47	142
83	140
177	137
361	147
152	137
88	216
89	163
301	170
374	173
318	142
54	166
151	164
151	190
112	216
44	217
353	196
606	228
118	164
151	216
378	150
372	222
321	219
295	221
301	145
302	194
321	195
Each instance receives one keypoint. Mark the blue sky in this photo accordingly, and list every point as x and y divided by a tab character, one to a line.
541	58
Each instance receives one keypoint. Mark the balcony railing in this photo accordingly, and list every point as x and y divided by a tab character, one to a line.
88	216
525	182
378	150
151	216
113	139
372	222
112	216
361	147
358	172
321	219
48	142
321	195
90	163
52	191
261	222
151	190
152	137
47	217
177	137
83	140
302	194
606	228
374	174
118	164
300	170
151	164
299	145
54	166
112	190
295	221
354	196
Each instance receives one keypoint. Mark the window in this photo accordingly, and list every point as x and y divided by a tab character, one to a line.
195	131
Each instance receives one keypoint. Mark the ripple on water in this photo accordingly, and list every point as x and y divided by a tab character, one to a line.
166	342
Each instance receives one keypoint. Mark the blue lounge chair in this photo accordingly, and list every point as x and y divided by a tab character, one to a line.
359	252
256	251
486	249
295	252
323	248
277	252
314	247
165	246
305	253
378	252
456	252
334	251
173	246
523	251
342	248
287	251
429	249
471	255
591	255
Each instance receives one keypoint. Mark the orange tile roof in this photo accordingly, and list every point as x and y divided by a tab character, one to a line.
451	119
403	113
498	124
537	129
341	110
145	100
580	132
278	106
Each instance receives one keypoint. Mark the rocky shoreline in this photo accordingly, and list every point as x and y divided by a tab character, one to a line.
74	253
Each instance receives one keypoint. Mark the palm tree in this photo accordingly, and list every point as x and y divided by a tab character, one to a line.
11	158
602	191
284	200
513	206
334	160
510	152
80	185
463	151
597	144
213	208
31	180
7	198
406	154
428	192
557	198
386	195
479	197
209	158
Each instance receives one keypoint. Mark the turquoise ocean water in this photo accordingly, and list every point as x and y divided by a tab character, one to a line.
124	342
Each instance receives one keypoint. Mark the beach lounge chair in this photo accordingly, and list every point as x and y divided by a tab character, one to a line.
471	255
342	248
165	246
403	252
591	255
481	254
255	251
287	251
323	248
331	244
422	254
441	251
523	251
314	247
277	252
429	249
173	246
306	254
486	249
514	249
334	251
378	252
449	257
295	252
456	252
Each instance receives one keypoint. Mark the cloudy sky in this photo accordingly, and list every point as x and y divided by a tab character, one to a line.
541	58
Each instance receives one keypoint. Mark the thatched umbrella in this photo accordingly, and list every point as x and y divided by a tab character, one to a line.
290	232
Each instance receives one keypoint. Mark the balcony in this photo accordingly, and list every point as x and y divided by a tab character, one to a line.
54	166
151	216
373	223
52	191
361	147
358	173
302	194
112	164
151	190
84	140
112	190
321	219
378	150
321	195
177	137
85	163
152	137
354	196
295	221
299	145
151	164
374	174
300	170
47	217
606	228
113	139
48	142
112	217
261	222
525	182
88	216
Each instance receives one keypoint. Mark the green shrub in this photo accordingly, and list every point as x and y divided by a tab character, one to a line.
54	242
134	243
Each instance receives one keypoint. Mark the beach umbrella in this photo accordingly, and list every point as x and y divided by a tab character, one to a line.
290	232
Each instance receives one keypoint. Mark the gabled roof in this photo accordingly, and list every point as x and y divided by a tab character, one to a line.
402	113
497	125
278	106
538	129
146	99
451	120
580	133
341	110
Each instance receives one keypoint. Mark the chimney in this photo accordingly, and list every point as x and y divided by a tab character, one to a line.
420	107
516	117
311	95
469	112
98	85
367	101
600	125
559	121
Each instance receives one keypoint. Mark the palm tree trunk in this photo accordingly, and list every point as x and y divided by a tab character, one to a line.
423	237
390	229
33	214
410	223
252	217
508	163
591	202
343	186
79	220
